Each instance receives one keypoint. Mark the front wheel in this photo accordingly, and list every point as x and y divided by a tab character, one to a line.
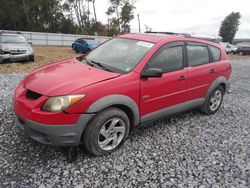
32	58
213	101
75	48
106	132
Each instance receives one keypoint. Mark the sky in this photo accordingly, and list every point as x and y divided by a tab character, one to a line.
199	17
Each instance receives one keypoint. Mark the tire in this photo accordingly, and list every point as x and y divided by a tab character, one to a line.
211	105
74	48
32	58
99	138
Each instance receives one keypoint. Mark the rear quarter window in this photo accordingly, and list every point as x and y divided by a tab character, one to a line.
215	53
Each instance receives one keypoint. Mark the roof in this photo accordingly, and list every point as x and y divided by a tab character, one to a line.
10	32
155	37
144	37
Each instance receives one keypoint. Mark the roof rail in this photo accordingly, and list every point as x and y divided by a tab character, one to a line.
208	38
185	35
169	33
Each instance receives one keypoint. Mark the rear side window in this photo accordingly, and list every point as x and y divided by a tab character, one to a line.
197	55
168	59
215	53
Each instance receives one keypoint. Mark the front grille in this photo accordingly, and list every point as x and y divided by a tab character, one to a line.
32	95
15	52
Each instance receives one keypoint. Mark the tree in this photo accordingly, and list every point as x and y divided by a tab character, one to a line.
120	13
229	27
81	12
126	16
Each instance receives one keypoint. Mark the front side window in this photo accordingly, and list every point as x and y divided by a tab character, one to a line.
168	59
197	55
120	54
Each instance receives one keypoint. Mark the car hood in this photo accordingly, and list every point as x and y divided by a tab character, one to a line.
65	77
11	46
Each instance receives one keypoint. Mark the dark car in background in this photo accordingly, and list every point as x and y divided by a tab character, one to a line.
243	50
15	47
82	46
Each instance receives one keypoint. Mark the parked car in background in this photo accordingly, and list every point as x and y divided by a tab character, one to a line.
229	48
98	98
243	50
15	47
82	46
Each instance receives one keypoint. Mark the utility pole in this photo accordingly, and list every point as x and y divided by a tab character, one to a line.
139	23
93	3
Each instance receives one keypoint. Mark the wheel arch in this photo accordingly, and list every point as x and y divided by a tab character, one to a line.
219	81
122	102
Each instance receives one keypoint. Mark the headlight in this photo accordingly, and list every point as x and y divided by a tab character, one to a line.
30	49
6	49
58	104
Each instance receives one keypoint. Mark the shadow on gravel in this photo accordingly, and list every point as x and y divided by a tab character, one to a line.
46	153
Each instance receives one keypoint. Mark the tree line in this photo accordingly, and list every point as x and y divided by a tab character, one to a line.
80	17
66	16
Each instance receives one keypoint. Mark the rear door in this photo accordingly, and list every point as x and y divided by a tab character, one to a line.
170	89
201	70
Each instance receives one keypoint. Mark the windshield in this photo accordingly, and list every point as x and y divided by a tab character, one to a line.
17	39
120	54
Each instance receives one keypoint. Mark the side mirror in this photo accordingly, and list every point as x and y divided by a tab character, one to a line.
152	73
30	41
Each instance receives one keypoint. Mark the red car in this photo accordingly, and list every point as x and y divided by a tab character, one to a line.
127	81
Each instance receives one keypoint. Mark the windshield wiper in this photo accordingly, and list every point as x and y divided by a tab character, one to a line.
88	62
92	63
100	65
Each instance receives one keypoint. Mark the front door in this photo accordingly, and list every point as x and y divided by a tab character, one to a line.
160	93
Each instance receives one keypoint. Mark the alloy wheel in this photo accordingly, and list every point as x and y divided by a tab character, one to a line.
111	134
215	100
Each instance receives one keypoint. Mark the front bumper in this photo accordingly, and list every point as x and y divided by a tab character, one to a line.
18	57
58	135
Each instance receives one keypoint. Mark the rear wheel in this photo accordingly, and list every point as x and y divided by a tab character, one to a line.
213	101
106	132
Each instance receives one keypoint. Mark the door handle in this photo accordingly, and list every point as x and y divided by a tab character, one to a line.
212	71
182	78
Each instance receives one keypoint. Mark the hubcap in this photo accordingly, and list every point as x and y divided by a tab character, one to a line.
215	100
111	134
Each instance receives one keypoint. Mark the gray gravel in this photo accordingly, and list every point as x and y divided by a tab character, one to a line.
187	150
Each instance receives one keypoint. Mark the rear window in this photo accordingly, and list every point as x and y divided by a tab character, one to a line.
215	52
197	55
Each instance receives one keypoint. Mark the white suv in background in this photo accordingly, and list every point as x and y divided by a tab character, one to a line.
15	47
229	48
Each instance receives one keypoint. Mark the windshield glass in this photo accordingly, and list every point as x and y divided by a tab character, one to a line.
17	39
120	54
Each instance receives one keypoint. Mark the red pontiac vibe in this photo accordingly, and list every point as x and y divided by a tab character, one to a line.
129	80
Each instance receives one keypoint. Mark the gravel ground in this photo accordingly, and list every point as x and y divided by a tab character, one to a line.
187	150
